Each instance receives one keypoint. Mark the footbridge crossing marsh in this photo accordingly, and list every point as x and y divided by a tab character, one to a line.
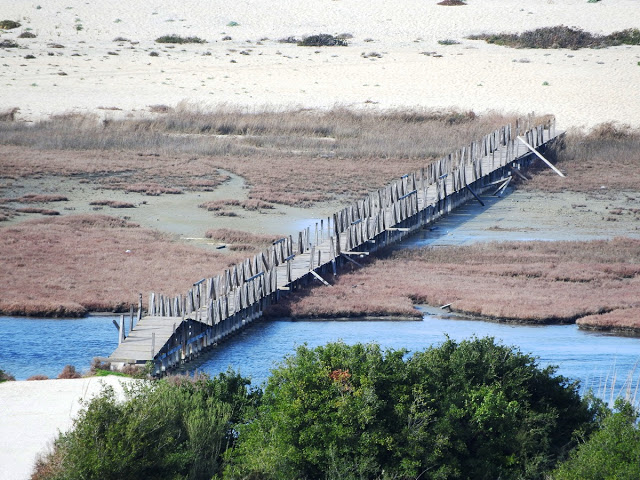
177	329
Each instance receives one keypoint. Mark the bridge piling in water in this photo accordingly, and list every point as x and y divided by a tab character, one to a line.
216	307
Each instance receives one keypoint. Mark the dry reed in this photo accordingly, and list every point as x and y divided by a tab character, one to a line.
605	159
539	282
113	204
241	237
69	371
41	211
102	266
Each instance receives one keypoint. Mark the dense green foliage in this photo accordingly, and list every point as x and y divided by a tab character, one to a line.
613	452
472	409
164	430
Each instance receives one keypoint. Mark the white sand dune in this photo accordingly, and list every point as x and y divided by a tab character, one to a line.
34	412
254	69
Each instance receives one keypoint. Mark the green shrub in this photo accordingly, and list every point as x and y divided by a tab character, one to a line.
472	409
9	24
630	36
172	428
178	39
322	40
448	41
612	452
561	37
6	376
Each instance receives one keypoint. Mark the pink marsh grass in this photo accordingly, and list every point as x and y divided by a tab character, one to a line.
538	282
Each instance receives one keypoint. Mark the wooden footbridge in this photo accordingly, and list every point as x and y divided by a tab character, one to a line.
176	329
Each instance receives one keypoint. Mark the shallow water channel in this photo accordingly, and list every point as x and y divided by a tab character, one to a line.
44	346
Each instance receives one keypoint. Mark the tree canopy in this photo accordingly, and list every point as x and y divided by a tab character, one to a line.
473	409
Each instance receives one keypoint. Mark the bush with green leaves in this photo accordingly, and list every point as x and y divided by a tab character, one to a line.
611	452
174	428
9	24
473	409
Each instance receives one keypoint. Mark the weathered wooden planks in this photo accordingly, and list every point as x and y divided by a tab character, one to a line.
176	328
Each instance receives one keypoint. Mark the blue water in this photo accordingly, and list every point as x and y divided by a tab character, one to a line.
593	358
31	346
43	346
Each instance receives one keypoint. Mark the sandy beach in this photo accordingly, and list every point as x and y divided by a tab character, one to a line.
394	58
101	58
34	413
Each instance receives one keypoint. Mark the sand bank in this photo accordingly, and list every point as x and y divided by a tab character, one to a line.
394	58
34	412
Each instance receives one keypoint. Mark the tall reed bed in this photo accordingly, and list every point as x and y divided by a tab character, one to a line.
229	130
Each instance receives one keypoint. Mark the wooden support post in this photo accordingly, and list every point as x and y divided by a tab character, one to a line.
352	260
152	304
130	319
519	174
502	187
121	330
139	307
313	272
153	344
476	196
541	157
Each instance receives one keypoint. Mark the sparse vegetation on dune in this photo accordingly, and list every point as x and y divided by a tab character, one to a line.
561	37
102	266
179	39
322	40
539	282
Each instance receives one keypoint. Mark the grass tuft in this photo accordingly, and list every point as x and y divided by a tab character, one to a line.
178	39
41	211
113	204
